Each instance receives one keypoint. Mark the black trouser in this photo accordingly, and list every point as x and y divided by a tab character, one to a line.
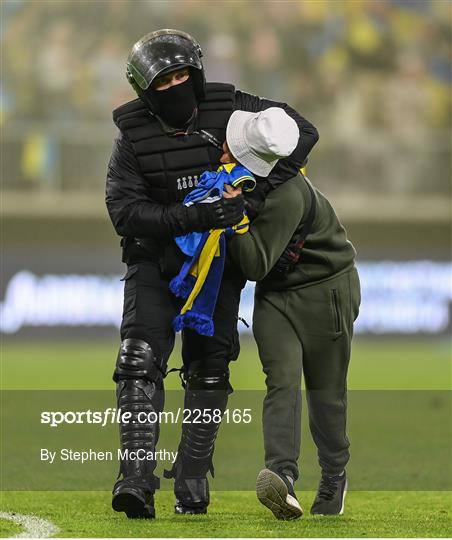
149	310
150	307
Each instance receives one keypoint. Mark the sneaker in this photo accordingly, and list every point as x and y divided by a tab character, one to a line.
330	495
134	501
275	491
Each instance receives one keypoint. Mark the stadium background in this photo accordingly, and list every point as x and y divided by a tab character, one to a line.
373	76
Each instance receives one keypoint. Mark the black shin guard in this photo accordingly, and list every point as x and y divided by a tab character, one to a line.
138	393
206	396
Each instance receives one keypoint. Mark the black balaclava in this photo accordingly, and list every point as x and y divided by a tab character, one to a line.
176	104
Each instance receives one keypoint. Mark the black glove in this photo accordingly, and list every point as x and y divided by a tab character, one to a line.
255	200
220	214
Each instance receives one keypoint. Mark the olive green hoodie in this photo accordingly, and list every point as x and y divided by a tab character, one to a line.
326	253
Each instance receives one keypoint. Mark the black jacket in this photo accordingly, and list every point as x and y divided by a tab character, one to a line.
134	214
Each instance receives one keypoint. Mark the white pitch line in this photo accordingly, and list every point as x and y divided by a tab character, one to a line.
34	527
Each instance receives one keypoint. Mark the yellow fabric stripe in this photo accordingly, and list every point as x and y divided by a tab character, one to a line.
244	179
208	252
242	227
303	171
194	269
226	167
211	249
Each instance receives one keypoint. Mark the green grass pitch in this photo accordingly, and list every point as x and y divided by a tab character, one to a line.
238	514
376	364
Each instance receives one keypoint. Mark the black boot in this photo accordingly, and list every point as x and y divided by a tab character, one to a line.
192	492
205	391
134	492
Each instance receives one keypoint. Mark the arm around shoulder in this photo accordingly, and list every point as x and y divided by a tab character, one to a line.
257	251
290	166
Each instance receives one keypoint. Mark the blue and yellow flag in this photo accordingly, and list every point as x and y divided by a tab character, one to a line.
200	277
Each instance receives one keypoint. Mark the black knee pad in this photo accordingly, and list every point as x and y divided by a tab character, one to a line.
136	360
208	379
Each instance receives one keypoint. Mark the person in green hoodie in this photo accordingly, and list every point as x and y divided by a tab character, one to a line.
307	298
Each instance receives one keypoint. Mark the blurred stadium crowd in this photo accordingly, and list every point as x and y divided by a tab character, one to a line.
374	76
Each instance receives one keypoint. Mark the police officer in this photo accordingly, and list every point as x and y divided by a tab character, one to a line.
167	137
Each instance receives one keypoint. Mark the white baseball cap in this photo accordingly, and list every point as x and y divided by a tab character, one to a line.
259	140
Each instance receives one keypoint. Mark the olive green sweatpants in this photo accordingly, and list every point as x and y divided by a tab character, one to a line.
306	331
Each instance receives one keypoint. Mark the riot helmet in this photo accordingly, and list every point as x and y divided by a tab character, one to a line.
161	52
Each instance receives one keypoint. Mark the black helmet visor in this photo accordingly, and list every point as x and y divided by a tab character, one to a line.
150	58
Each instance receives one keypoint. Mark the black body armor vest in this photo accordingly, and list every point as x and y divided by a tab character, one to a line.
172	164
